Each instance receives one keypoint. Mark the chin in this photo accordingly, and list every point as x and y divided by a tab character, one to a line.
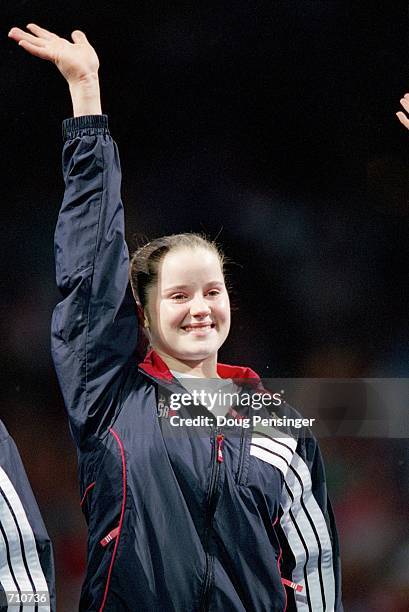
196	353
194	356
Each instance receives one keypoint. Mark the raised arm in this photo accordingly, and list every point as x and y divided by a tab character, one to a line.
94	327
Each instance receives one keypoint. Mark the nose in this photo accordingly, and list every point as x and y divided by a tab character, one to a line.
199	307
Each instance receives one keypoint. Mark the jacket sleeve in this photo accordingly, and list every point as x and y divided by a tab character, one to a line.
29	563
310	564
94	327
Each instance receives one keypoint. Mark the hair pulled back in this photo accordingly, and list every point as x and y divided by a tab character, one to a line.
145	260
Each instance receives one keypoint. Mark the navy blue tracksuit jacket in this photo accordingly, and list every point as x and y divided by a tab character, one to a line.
26	557
179	519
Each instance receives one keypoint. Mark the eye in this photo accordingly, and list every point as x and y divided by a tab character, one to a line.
178	297
213	292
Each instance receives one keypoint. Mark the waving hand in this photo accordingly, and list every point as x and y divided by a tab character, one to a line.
403	117
77	61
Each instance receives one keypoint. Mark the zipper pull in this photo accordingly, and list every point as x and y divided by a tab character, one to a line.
111	536
292	585
219	440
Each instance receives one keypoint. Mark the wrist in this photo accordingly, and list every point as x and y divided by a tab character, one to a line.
85	96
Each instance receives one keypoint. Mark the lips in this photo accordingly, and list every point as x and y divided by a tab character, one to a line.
198	327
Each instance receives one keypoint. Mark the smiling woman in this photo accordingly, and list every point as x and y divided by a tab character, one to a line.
178	283
222	518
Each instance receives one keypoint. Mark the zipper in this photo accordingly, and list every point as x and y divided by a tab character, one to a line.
241	456
211	507
207	582
219	441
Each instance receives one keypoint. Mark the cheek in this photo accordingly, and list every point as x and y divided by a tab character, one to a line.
224	310
171	315
226	305
228	319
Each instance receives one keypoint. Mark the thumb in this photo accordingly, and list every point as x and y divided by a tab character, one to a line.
79	37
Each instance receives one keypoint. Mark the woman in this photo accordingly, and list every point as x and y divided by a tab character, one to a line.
179	518
26	556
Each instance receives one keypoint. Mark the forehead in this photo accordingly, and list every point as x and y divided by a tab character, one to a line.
187	265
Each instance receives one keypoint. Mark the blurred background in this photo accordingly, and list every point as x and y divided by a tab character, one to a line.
271	126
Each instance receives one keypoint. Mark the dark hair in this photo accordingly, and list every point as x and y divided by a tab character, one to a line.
145	260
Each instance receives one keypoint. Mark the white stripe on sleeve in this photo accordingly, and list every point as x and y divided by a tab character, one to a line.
308	516
28	542
6	578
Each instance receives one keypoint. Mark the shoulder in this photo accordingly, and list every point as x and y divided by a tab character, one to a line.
4	434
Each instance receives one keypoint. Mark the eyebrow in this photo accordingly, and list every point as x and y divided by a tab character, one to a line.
184	287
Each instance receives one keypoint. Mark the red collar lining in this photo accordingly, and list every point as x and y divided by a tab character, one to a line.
156	367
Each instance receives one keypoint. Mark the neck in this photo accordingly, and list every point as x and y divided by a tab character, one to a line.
206	368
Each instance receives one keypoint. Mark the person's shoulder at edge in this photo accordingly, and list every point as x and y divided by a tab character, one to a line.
4	434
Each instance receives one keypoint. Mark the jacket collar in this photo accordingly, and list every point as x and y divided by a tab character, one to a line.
154	366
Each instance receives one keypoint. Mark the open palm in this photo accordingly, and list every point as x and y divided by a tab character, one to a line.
76	60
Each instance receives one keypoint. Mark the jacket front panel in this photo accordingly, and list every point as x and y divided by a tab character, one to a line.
210	542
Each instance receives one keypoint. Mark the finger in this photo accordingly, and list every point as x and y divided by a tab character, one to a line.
79	37
15	34
405	103
19	35
36	50
403	119
40	31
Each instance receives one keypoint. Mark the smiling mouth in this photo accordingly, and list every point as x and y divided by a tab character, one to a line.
202	328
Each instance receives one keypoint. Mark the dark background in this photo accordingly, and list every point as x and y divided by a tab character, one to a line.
272	126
